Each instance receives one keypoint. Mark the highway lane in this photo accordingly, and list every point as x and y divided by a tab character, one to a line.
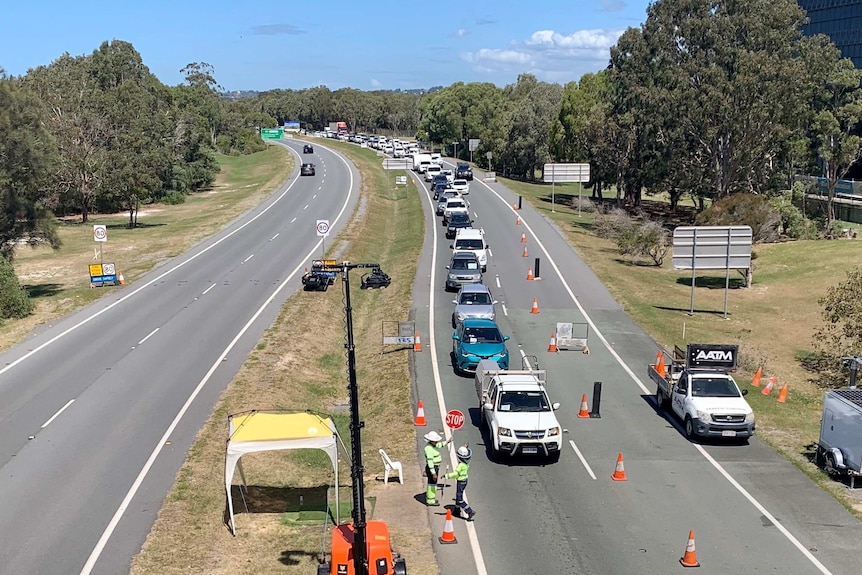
142	369
558	518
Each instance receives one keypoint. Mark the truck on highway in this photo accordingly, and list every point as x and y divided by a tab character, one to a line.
420	162
839	448
514	406
697	385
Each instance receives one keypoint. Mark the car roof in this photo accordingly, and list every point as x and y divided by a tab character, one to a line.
479	322
464	255
475	288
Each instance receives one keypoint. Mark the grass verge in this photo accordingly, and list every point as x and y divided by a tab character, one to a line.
300	364
773	322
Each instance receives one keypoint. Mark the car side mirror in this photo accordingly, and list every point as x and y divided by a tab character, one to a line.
455	337
451	247
488	406
556	406
496	302
487	246
505	338
744	392
455	301
447	267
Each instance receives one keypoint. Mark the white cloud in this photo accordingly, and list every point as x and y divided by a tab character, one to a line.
375	83
548	54
461	32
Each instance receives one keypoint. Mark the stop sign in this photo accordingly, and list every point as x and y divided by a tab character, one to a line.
455	419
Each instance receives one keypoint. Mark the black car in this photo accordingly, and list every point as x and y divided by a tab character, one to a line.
308	149
457	221
439	188
306	170
463	171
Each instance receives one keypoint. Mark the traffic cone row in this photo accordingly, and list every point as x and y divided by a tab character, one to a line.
523	238
525	254
770	385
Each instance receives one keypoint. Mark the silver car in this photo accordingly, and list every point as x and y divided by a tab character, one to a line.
474	300
463	269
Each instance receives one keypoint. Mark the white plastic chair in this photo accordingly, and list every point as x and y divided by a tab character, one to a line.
389	466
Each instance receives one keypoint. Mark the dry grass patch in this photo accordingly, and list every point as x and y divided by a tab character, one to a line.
300	364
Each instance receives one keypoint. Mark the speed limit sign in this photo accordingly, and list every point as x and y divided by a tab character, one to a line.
100	233
323	228
455	419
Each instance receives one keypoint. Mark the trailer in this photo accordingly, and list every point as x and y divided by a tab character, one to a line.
839	449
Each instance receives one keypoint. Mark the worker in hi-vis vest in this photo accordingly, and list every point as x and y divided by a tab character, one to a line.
464	455
433	459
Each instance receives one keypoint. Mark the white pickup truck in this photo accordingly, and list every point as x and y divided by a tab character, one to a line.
697	386
514	406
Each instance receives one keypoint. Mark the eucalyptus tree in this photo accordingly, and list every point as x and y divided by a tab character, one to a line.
534	105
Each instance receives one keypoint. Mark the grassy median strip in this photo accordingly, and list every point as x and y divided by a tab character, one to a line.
300	364
773	322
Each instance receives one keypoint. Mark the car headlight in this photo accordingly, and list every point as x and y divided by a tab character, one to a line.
749	418
504	431
553	431
703	415
452	276
465	353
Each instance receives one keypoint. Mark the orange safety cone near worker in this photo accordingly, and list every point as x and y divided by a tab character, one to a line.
459	474
448	530
433	459
420	415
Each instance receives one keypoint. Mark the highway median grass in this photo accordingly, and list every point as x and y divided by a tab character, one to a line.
300	364
773	322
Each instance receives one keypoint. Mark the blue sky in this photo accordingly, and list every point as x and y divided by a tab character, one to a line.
379	44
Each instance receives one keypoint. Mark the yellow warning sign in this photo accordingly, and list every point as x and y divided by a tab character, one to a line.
95	270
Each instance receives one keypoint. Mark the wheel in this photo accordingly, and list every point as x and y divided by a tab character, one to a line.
689	428
554	457
659	399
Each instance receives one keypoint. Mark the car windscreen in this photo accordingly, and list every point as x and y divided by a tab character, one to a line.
475	299
530	401
464	264
455	204
473	244
713	387
482	335
458	218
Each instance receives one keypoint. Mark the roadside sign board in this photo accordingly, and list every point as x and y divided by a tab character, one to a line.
400	180
455	419
272	133
322	228
561	173
104	273
473	144
100	233
396	163
406	333
712	247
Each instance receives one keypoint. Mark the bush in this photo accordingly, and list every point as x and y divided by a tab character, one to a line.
643	239
841	333
744	210
586	205
793	224
609	224
174	198
14	301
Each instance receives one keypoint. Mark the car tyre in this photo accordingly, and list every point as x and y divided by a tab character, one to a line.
660	401
689	428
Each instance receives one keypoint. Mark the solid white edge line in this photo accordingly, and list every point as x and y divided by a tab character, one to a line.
59	411
581	457
790	537
293	220
152	282
525	360
115	520
206	291
275	236
248	258
438	385
148	336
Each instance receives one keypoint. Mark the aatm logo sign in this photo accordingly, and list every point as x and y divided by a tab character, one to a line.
714	355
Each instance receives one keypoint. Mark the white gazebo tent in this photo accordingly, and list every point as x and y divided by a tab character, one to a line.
255	431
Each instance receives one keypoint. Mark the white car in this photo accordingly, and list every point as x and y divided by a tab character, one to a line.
431	171
450	176
461	186
458	204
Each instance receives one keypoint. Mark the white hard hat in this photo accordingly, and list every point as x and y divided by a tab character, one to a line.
464	453
433	436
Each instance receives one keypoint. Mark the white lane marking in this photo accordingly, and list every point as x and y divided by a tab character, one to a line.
314	196
790	537
498	281
475	215
581	457
306	207
438	385
293	220
149	335
56	415
206	291
275	236
115	520
526	362
248	258
490	253
505	311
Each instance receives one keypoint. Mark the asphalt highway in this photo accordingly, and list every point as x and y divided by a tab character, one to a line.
751	511
97	411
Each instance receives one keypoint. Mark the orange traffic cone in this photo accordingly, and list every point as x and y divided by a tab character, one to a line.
768	387
659	364
417	343
689	559
619	471
448	530
535	308
515	207
518	221
585	411
420	415
553	345
530	273
525	254
586	350
523	238
782	395
122	279
757	375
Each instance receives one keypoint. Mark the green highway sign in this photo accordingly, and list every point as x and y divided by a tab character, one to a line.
272	133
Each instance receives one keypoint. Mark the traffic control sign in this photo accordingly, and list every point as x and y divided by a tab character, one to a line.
100	233
454	419
322	228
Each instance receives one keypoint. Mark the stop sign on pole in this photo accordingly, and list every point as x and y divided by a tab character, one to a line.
454	419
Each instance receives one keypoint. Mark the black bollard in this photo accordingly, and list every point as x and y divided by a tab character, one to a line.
597	400
536	268
519	201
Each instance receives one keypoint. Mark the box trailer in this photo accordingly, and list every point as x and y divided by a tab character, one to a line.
839	449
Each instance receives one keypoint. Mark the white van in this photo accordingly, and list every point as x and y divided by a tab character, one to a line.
473	240
436	159
431	171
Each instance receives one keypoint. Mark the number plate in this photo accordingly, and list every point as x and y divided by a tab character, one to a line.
530	450
728	433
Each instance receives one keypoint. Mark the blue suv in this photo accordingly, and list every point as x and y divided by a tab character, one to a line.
476	339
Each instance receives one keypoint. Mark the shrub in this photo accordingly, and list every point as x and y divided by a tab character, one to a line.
174	198
643	239
609	224
793	223
744	210
586	205
14	301
841	333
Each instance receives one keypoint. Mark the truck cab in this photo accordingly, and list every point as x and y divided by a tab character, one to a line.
697	386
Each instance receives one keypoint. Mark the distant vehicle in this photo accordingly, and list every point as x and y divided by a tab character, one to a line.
474	241
478	339
430	171
420	162
308	149
450	176
463	269
306	169
461	186
442	198
473	300
453	205
457	221
463	171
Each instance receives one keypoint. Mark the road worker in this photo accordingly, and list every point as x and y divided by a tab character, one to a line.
433	459
464	455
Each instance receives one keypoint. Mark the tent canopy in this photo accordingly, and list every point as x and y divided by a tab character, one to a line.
255	431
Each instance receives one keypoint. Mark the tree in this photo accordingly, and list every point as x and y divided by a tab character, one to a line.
841	334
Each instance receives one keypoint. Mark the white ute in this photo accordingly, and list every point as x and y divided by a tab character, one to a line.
514	406
697	386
